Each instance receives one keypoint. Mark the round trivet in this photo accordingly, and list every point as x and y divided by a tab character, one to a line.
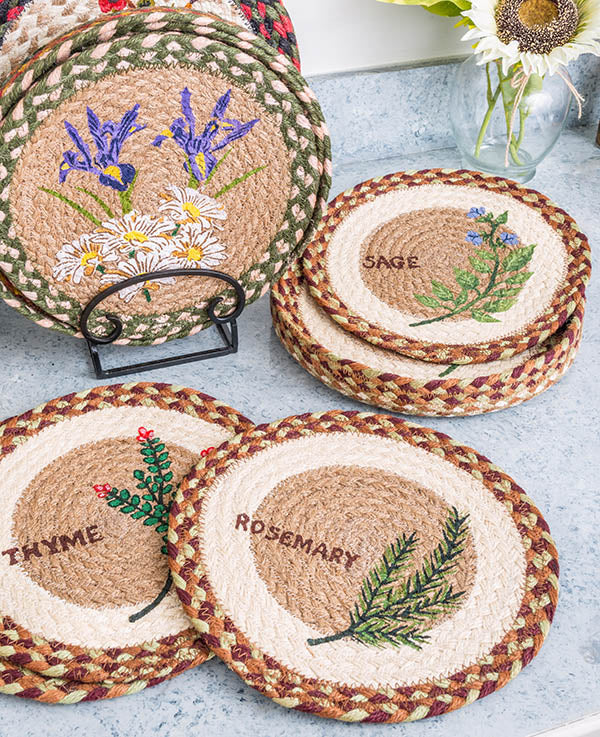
127	181
358	567
87	482
448	266
386	379
28	25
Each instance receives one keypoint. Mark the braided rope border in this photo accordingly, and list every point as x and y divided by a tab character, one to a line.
274	81
436	397
563	304
290	689
149	660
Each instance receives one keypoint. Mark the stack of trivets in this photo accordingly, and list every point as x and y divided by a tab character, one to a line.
88	610
437	293
358	567
135	143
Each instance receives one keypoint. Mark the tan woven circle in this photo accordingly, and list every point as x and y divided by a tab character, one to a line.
59	543
219	514
483	285
403	384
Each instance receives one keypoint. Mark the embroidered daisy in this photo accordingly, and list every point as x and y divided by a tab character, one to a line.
80	258
542	35
195	248
143	262
135	232
187	205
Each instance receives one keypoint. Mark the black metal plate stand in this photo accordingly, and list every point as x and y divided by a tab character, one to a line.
226	325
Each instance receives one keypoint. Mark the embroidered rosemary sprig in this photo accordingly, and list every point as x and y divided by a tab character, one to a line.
396	613
495	260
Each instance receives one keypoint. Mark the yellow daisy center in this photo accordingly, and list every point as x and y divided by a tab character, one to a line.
88	256
539	26
191	209
135	235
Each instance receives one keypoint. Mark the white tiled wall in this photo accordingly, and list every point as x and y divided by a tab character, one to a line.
342	35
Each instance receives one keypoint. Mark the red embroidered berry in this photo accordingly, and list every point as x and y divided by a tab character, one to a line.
109	6
14	12
102	490
206	451
144	434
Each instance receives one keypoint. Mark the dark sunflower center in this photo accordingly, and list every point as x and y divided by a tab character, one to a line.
538	25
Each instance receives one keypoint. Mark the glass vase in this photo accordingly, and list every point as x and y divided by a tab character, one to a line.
482	111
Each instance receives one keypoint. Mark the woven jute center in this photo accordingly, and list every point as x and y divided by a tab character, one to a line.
326	529
75	545
403	256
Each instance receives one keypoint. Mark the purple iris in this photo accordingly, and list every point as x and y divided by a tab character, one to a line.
200	150
476	212
509	239
108	138
474	238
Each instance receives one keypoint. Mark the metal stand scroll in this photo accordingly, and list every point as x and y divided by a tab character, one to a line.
226	325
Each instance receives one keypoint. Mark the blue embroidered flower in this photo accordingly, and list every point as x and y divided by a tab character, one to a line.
474	238
200	149
108	138
476	212
509	239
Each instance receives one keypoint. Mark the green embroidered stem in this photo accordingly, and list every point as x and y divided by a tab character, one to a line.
508	99
486	260
147	295
452	367
146	610
492	99
217	165
125	197
193	183
97	199
387	614
78	208
237	181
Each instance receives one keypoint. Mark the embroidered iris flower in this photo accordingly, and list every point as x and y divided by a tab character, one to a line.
200	149
474	237
108	139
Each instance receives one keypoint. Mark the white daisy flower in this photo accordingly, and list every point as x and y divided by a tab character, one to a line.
134	232
542	35
187	205
80	258
195	248
143	262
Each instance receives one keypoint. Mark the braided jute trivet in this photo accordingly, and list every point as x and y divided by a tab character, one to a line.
448	266
387	379
27	684
87	481
40	21
362	568
141	139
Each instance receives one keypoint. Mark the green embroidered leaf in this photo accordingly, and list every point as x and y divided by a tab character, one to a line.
146	507
154	487
114	503
481	316
518	258
441	291
138	514
141	486
465	279
159	447
507	292
427	301
166	465
502	219
163	457
148	497
135	500
483	253
519	278
461	298
127	510
151	521
124	494
162	528
147	451
159	510
499	305
168	476
153	468
139	475
480	265
168	488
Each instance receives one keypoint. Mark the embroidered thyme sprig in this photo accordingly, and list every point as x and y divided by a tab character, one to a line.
394	612
495	259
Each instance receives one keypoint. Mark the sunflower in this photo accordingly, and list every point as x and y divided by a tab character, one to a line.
541	35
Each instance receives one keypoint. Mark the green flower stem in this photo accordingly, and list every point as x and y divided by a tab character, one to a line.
146	610
125	197
492	100
97	199
514	149
78	208
193	183
237	181
451	368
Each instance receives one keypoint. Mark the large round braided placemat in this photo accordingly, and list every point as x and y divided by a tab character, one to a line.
28	25
358	567
386	379
219	95
448	266
87	482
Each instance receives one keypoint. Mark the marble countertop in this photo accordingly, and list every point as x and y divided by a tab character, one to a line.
549	445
